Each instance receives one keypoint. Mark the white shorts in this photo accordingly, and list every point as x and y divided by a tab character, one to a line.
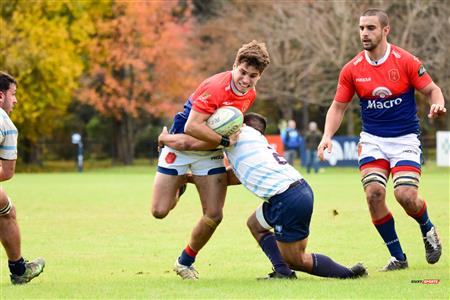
403	151
201	163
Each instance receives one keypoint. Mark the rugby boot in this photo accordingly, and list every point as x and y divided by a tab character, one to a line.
359	270
275	275
32	269
185	272
395	264
433	247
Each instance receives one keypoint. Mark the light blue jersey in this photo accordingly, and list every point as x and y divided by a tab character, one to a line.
258	166
8	137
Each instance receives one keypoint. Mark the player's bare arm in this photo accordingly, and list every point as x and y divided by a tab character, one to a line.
196	127
184	142
436	98
333	120
7	168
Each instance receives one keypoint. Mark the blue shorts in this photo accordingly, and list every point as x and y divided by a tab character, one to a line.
289	213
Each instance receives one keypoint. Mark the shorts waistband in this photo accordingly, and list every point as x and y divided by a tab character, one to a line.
294	184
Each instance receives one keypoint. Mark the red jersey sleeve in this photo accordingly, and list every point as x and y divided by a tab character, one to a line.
345	88
417	74
205	100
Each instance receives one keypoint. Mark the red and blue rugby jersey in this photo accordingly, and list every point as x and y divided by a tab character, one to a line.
386	91
214	92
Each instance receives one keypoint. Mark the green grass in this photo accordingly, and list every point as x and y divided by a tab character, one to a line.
99	240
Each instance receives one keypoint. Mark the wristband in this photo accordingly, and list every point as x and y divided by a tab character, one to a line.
225	141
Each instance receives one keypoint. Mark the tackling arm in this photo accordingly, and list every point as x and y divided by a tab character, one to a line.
333	120
436	98
183	142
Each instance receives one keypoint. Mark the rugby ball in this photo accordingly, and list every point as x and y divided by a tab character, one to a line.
226	120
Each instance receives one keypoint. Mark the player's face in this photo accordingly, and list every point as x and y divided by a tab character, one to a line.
8	98
370	32
245	77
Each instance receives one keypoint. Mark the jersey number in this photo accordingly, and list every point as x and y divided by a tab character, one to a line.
280	159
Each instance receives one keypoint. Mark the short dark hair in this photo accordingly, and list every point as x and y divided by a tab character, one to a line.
254	54
256	121
5	81
381	14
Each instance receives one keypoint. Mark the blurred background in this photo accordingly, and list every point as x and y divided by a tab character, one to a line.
117	71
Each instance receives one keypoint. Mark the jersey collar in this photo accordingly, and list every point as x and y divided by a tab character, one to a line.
381	60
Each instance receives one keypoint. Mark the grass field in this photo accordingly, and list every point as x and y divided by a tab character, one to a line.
99	240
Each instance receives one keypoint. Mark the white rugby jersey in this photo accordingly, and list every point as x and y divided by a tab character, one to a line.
8	137
258	166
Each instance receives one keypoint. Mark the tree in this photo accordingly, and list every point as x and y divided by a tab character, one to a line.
138	66
39	47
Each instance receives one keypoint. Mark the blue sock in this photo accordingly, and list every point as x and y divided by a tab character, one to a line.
325	267
270	248
386	228
187	257
17	267
422	218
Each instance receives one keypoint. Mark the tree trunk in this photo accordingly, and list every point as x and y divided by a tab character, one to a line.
124	139
30	152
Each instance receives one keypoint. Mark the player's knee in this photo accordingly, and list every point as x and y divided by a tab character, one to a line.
159	212
212	221
408	198
375	193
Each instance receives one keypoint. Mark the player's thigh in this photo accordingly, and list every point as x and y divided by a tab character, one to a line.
165	189
212	190
374	176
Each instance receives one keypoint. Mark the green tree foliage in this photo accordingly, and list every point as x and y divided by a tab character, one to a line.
41	42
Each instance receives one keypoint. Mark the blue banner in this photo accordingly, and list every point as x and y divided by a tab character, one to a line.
344	152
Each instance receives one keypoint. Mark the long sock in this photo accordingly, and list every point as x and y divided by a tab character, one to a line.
325	267
270	248
187	257
17	267
386	228
422	218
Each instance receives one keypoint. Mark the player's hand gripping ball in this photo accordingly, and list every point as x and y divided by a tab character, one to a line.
226	120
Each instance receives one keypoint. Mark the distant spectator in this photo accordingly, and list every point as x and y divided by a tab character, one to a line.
292	141
312	140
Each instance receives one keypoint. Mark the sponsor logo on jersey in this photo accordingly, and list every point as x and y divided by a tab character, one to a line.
228	103
217	157
170	157
421	70
394	75
358	60
204	97
381	92
377	104
363	79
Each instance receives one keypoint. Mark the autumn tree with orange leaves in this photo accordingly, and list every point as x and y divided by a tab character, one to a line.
138	66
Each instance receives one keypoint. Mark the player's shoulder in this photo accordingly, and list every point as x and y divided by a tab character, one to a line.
217	81
401	54
355	62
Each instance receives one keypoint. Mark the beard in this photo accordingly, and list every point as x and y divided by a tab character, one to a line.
371	44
